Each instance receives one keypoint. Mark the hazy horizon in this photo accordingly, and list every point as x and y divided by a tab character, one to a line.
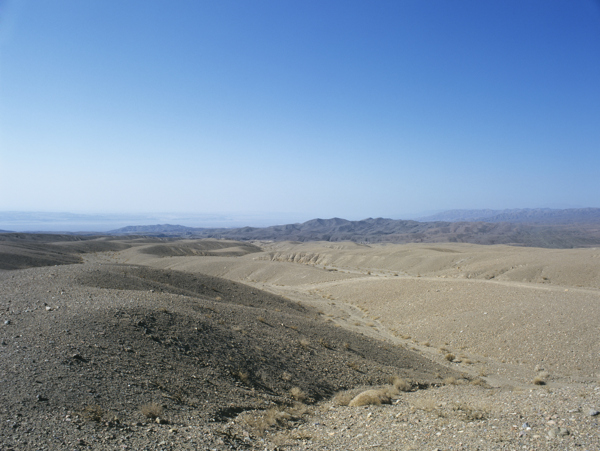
298	109
27	221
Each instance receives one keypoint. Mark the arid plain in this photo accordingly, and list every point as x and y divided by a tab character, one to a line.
521	306
504	341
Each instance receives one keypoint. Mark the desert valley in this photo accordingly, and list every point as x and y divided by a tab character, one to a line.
141	342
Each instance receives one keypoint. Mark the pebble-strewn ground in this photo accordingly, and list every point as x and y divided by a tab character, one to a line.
84	347
461	417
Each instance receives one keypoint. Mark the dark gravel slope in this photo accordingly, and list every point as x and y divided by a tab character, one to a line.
99	341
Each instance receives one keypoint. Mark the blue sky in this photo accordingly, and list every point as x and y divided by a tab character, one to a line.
298	109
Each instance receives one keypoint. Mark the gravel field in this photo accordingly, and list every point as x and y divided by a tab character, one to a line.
122	352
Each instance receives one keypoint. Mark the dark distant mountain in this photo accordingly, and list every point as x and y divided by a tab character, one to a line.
521	215
382	230
5	231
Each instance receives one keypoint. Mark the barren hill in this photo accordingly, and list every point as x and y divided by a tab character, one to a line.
521	215
238	345
381	230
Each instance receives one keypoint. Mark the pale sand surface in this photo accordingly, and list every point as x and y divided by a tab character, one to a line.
508	314
521	307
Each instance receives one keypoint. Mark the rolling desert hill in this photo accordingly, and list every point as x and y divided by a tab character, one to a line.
252	345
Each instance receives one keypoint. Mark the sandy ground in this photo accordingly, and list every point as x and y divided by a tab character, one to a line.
518	326
510	309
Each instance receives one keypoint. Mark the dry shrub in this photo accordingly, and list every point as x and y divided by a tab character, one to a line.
298	394
428	405
242	375
273	417
538	380
371	398
287	377
343	398
354	365
151	410
269	419
325	343
401	384
450	381
450	357
479	382
304	343
261	319
469	412
426	343
93	413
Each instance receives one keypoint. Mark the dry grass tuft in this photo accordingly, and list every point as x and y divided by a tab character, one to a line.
538	380
479	382
273	417
450	357
298	394
304	343
93	413
371	398
427	405
401	384
325	343
344	397
151	410
469	412
287	377
354	365
450	381
242	375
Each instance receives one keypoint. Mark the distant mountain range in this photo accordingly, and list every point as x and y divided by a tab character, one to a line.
521	215
531	227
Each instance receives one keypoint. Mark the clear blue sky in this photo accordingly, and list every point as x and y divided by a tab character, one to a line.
299	108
